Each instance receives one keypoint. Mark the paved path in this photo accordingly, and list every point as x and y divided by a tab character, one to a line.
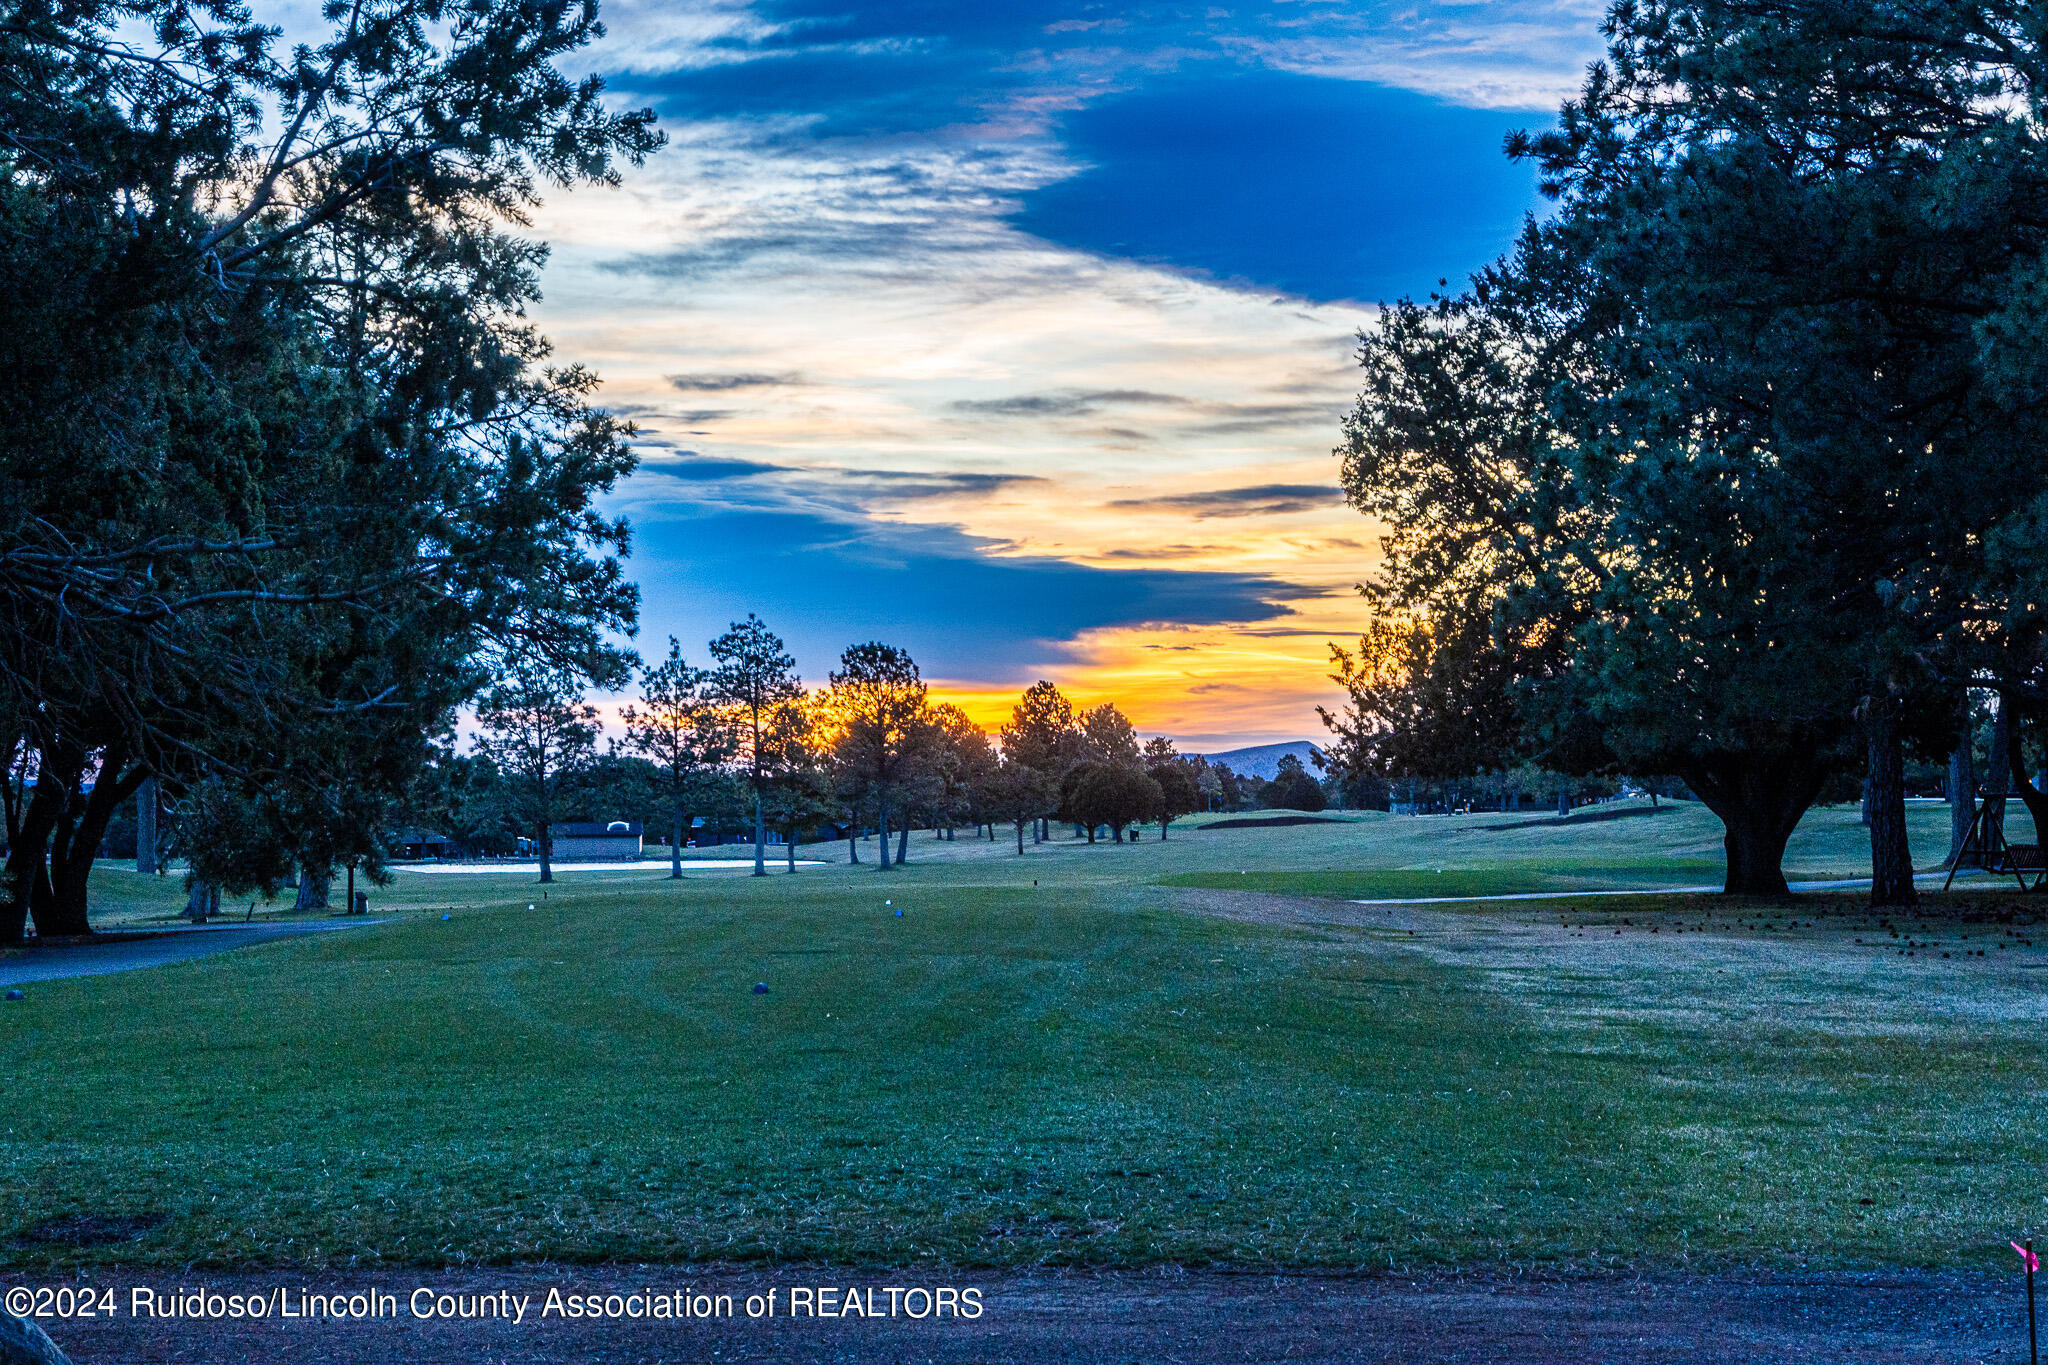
127	952
661	865
1159	1317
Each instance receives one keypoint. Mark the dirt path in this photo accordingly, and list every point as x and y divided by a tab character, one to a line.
1103	1318
127	952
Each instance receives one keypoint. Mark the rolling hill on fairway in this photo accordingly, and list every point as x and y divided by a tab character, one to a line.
1263	760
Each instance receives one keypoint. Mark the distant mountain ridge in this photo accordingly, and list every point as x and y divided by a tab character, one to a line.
1263	760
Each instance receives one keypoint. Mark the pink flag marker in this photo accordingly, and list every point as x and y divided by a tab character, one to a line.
2033	1261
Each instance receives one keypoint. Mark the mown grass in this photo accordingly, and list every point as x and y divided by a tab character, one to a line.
1083	1071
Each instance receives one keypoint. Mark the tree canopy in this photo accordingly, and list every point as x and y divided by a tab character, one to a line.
1701	478
282	454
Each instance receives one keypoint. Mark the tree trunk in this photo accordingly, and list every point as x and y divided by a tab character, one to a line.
1962	802
1163	822
1020	836
678	827
2034	797
760	837
146	800
200	901
792	848
75	841
903	843
882	826
313	886
1760	800
1891	860
853	842
25	859
1564	802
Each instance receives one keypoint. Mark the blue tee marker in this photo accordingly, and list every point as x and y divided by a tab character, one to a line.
446	918
760	988
16	995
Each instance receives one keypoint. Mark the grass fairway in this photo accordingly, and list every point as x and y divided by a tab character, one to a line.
1093	1069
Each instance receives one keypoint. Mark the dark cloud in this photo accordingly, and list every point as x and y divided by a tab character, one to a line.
1219	418
824	582
894	485
725	383
1259	500
885	247
1163	552
709	469
912	483
1067	403
1252	417
1288	632
853	490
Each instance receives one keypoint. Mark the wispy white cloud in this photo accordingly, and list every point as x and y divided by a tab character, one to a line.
1531	54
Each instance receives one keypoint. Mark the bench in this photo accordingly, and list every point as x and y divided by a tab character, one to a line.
2024	860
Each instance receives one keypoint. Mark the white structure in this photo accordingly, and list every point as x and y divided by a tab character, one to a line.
581	842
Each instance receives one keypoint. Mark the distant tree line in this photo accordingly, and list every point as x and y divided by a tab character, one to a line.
741	747
737	750
1731	469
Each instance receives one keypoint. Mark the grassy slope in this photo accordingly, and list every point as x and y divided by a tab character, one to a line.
1079	1070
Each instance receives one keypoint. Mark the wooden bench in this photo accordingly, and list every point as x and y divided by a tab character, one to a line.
2024	861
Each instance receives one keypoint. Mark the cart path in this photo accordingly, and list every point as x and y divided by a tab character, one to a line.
1109	1318
122	951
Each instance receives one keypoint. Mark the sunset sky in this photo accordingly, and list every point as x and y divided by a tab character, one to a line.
1019	335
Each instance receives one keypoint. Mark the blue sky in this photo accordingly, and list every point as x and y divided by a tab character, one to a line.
1020	335
1326	188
